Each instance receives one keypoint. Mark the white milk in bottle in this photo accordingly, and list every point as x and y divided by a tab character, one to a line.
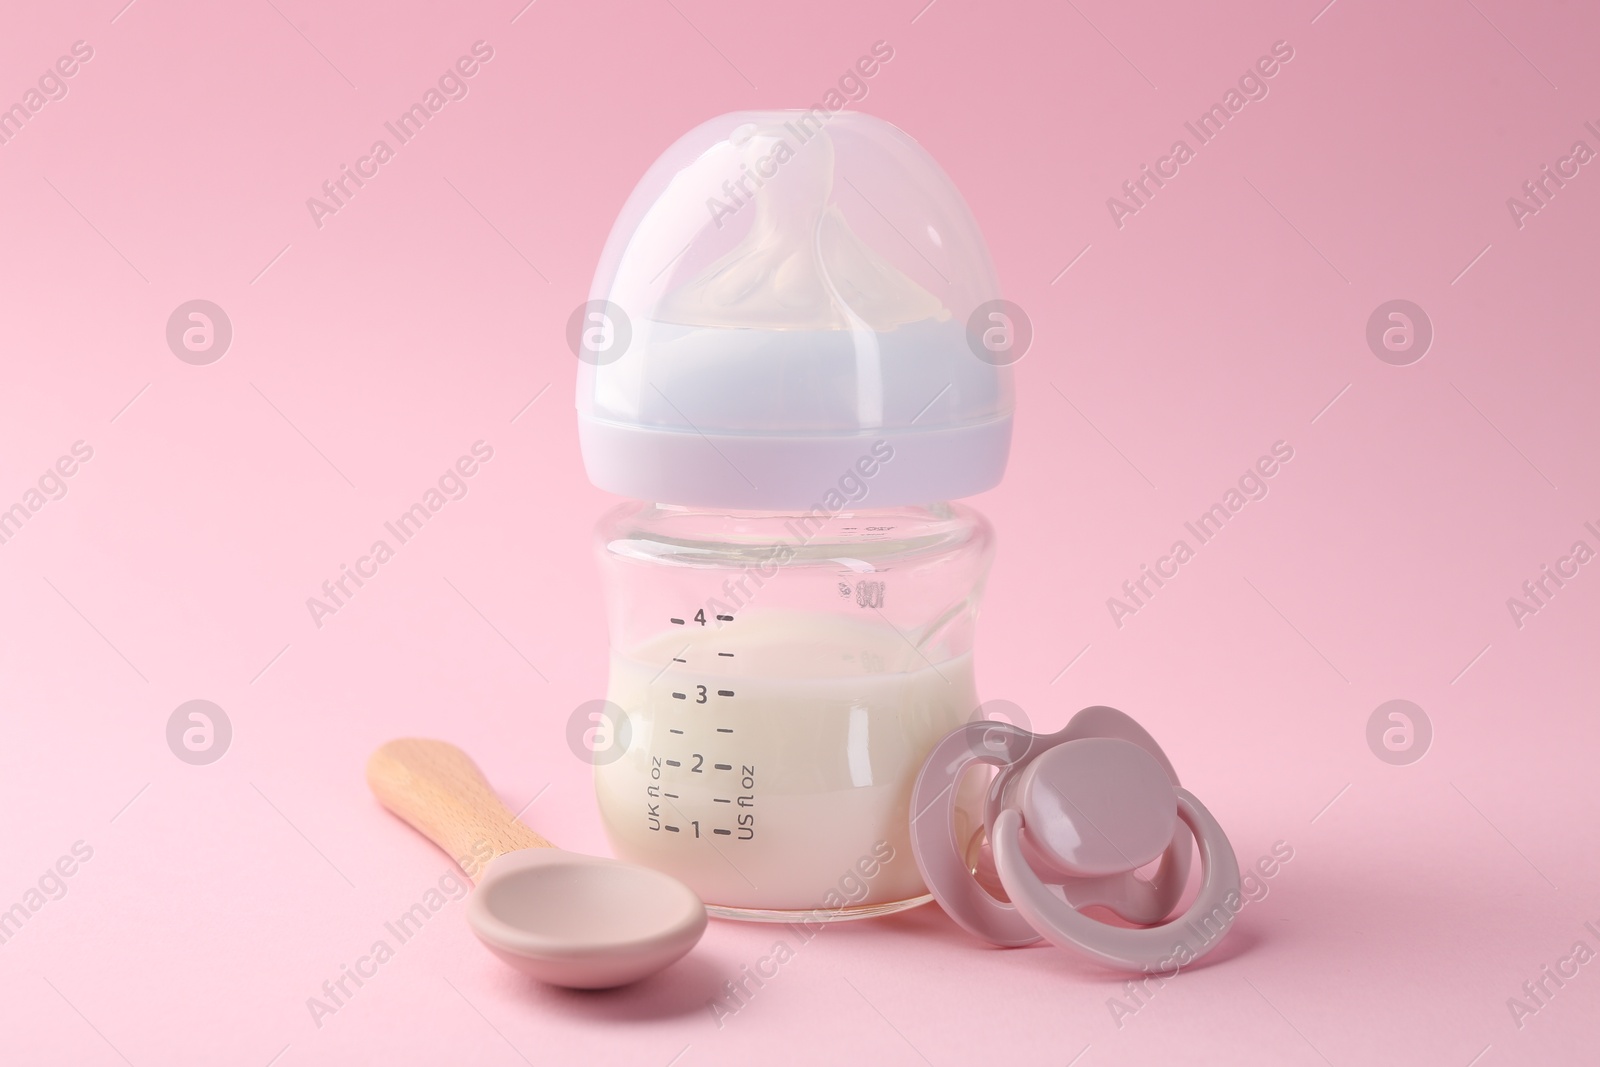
771	760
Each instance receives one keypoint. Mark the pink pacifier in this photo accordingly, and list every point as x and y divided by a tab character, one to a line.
1080	810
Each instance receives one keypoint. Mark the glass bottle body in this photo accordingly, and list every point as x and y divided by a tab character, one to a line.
782	678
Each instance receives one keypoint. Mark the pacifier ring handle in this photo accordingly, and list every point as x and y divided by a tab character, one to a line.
1157	949
1144	902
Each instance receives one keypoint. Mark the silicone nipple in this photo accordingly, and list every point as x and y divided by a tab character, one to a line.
800	266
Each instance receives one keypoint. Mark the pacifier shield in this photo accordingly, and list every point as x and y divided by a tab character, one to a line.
1097	806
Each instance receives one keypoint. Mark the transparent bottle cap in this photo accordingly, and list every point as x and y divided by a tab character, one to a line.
787	296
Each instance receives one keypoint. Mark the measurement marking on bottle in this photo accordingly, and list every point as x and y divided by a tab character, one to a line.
721	766
674	829
720	830
728	654
721	800
724	618
724	692
672	796
678	621
676	730
675	659
673	763
680	696
724	729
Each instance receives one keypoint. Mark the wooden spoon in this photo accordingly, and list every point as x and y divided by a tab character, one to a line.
567	919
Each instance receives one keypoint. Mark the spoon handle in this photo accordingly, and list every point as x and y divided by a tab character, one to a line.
436	787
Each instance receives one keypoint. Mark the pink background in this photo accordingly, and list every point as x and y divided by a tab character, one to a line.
1223	317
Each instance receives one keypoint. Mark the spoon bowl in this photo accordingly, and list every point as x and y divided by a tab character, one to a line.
580	921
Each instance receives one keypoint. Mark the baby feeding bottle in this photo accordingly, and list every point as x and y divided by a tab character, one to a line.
785	368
